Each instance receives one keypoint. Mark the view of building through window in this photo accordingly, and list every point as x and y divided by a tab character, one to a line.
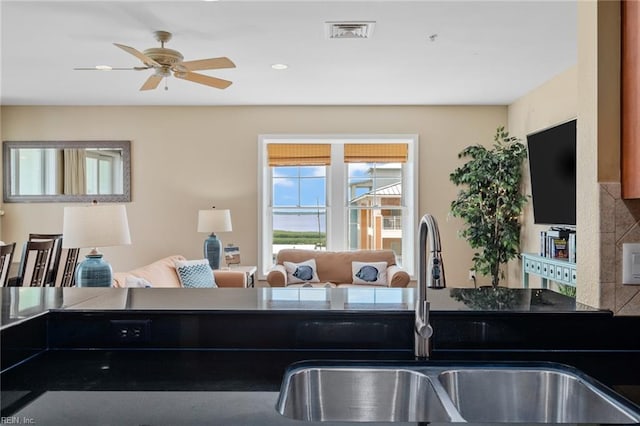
375	201
347	197
374	207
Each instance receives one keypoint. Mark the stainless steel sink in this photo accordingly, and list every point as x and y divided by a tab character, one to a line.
537	395
428	391
356	394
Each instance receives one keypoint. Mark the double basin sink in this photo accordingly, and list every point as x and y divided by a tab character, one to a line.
450	393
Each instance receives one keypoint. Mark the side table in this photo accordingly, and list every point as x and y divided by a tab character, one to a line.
250	271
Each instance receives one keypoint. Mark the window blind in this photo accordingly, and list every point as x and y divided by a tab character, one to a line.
288	154
375	153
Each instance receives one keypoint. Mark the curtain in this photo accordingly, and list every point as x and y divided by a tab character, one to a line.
75	172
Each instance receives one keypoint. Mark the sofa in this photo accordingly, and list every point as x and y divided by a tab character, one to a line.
162	273
336	269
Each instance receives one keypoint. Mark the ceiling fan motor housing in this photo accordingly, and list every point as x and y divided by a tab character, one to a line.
164	56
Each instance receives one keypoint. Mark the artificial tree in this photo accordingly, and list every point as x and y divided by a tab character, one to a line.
491	201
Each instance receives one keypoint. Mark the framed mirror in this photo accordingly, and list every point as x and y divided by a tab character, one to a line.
67	171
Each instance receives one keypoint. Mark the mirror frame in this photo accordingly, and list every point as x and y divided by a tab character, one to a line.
114	198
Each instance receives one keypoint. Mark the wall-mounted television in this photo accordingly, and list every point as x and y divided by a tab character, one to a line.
552	166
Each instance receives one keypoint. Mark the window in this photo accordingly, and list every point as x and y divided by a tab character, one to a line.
103	169
346	193
35	171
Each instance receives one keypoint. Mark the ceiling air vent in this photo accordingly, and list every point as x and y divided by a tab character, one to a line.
353	29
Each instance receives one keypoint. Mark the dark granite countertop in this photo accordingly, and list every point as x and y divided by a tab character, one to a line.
19	303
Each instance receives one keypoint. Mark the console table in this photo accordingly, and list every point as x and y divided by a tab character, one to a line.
558	270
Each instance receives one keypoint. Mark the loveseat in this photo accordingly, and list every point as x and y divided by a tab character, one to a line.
162	273
336	268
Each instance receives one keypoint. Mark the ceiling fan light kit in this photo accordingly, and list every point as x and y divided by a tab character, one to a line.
166	62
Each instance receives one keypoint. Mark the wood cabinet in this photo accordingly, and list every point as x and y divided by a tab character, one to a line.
630	87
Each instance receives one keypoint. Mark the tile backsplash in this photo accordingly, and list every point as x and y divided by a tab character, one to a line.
619	223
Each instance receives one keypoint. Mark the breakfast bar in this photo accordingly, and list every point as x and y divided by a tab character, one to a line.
166	356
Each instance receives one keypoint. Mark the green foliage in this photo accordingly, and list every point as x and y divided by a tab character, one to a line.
490	201
294	237
567	290
487	298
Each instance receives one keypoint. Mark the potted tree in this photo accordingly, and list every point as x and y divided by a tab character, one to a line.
490	202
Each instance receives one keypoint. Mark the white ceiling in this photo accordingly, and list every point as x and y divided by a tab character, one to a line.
484	52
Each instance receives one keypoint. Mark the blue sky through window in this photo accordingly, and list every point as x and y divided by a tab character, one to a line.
299	192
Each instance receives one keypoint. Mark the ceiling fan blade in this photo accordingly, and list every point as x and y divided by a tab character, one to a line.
144	58
208	64
218	83
112	69
152	82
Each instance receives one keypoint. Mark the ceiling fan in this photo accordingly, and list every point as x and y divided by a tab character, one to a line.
167	61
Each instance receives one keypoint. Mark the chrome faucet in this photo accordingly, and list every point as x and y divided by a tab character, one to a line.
430	275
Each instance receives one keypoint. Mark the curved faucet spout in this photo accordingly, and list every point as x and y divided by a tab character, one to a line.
430	275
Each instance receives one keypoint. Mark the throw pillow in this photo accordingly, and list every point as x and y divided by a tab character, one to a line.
132	281
372	273
195	273
303	272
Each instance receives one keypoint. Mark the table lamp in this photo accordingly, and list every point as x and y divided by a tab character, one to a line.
94	226
214	221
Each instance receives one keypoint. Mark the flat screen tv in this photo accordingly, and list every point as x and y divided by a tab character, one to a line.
552	166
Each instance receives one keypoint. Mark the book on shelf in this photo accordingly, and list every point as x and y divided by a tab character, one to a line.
558	244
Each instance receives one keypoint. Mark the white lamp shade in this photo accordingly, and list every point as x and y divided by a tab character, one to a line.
214	221
101	225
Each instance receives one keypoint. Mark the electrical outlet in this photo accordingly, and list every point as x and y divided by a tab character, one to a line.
131	331
472	274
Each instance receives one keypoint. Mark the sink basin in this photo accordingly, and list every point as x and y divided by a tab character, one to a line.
360	394
427	391
539	395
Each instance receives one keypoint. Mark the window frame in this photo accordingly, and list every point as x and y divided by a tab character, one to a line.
337	195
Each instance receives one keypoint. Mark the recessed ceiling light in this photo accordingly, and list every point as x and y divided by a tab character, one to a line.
279	66
103	67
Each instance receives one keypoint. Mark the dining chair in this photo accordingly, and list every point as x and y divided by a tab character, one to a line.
34	265
67	268
54	260
6	255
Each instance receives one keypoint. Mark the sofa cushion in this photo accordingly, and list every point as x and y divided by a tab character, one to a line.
132	281
161	273
303	272
369	273
195	273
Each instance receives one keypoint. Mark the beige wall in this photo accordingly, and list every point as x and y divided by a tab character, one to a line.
190	158
616	221
590	91
550	104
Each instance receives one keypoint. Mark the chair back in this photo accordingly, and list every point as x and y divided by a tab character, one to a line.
35	263
66	276
6	255
56	252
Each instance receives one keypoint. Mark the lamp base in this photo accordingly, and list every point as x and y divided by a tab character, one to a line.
213	251
94	271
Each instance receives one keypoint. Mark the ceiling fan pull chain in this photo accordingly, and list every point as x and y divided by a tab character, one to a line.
166	85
